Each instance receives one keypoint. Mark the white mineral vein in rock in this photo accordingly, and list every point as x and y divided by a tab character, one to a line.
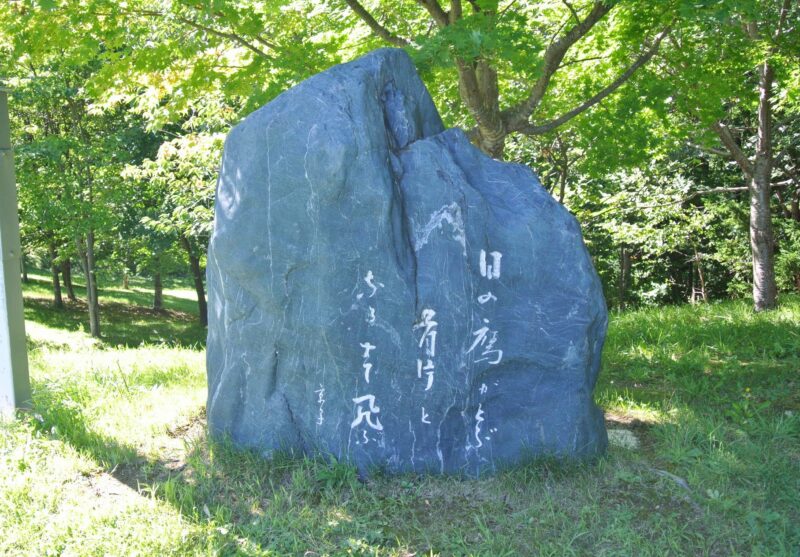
450	214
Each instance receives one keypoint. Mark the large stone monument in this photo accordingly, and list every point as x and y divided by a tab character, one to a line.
382	292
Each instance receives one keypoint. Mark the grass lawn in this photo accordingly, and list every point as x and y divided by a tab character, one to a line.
114	459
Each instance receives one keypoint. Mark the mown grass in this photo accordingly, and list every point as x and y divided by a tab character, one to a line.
114	460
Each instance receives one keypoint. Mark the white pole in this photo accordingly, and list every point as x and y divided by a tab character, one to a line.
15	390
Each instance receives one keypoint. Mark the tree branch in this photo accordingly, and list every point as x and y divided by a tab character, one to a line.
376	27
572	11
475	6
581	60
785	7
529	129
226	35
518	115
736	189
455	11
437	13
736	152
710	150
201	27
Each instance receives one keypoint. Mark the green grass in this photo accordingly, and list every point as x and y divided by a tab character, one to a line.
125	316
114	459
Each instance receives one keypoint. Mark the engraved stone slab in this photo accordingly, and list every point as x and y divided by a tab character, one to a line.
381	291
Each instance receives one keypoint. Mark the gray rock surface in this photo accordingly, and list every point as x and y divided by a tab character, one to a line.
382	292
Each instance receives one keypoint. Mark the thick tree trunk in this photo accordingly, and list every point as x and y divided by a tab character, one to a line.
758	174
85	247
58	301
158	292
197	275
762	240
66	273
762	244
478	87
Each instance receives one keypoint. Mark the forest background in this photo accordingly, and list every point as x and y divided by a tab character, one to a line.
671	129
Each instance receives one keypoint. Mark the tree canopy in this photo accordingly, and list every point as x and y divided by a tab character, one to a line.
671	129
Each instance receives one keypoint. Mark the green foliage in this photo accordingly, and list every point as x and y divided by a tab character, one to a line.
182	176
186	71
787	261
337	476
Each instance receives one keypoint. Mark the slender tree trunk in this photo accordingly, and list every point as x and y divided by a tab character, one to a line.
699	287
563	170
58	301
86	254
23	261
562	184
782	206
624	275
125	272
91	286
762	240
66	273
197	275
703	291
158	292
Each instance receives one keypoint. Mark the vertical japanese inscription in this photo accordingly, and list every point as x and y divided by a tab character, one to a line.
427	344
365	407
484	341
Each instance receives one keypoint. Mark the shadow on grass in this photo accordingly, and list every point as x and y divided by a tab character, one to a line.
244	504
125	319
208	482
294	505
719	372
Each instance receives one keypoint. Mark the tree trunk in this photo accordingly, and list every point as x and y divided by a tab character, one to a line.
91	287
66	273
762	244
58	301
478	87
158	292
699	287
126	271
624	276
703	291
24	264
762	240
197	274
86	254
